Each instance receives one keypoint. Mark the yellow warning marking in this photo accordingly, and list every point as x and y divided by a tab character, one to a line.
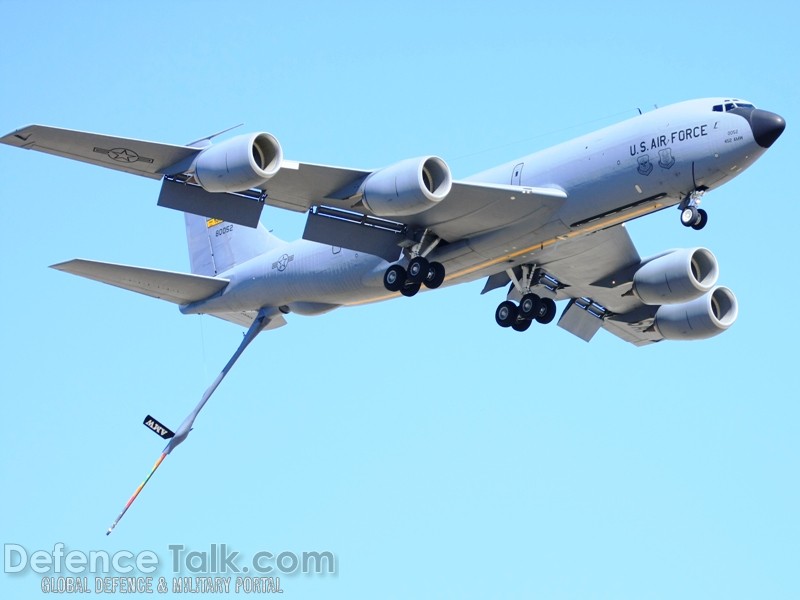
213	222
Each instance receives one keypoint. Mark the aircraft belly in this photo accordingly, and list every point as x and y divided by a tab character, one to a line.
307	278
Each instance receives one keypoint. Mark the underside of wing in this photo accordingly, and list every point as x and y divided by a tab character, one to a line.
341	216
595	272
469	208
672	295
148	159
179	288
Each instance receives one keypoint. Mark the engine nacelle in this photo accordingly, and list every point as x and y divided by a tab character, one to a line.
703	317
408	187
239	163
679	276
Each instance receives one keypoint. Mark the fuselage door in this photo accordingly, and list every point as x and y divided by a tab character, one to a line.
516	174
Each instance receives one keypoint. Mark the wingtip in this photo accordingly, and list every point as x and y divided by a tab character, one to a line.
19	137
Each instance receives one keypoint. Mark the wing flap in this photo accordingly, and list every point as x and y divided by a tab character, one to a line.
179	288
148	159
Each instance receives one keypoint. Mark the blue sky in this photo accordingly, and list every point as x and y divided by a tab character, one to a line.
434	453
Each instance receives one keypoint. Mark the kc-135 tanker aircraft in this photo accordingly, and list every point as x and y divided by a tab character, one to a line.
546	227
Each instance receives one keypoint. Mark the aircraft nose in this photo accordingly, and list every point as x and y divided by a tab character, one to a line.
767	127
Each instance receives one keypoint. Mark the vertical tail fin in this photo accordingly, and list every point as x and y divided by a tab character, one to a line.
215	246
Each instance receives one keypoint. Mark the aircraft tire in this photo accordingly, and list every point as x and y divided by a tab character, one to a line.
506	314
529	306
410	289
702	219
417	270
688	216
435	276
394	278
548	312
521	325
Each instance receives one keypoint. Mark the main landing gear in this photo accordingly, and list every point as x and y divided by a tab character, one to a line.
409	281
419	272
691	216
531	307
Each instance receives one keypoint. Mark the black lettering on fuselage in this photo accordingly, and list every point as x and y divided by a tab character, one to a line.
662	141
690	133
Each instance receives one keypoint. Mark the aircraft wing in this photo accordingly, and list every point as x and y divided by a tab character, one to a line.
138	157
597	271
339	219
470	208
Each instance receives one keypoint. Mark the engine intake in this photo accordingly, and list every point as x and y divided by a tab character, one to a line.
408	187
239	163
704	317
678	276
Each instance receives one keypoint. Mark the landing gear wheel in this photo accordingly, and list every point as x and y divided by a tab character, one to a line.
435	276
417	269
547	312
702	219
410	289
689	216
394	278
521	325
506	314
529	306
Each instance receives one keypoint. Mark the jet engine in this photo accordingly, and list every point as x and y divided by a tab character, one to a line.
239	163
677	276
408	187
704	317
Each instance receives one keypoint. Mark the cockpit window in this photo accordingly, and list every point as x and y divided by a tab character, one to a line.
729	105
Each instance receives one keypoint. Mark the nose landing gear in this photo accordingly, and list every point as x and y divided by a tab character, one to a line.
691	215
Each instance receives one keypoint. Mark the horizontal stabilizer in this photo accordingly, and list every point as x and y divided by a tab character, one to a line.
149	159
162	430
179	288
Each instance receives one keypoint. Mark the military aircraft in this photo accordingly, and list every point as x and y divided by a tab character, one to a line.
548	227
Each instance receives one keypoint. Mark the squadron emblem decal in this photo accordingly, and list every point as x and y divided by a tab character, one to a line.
645	166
